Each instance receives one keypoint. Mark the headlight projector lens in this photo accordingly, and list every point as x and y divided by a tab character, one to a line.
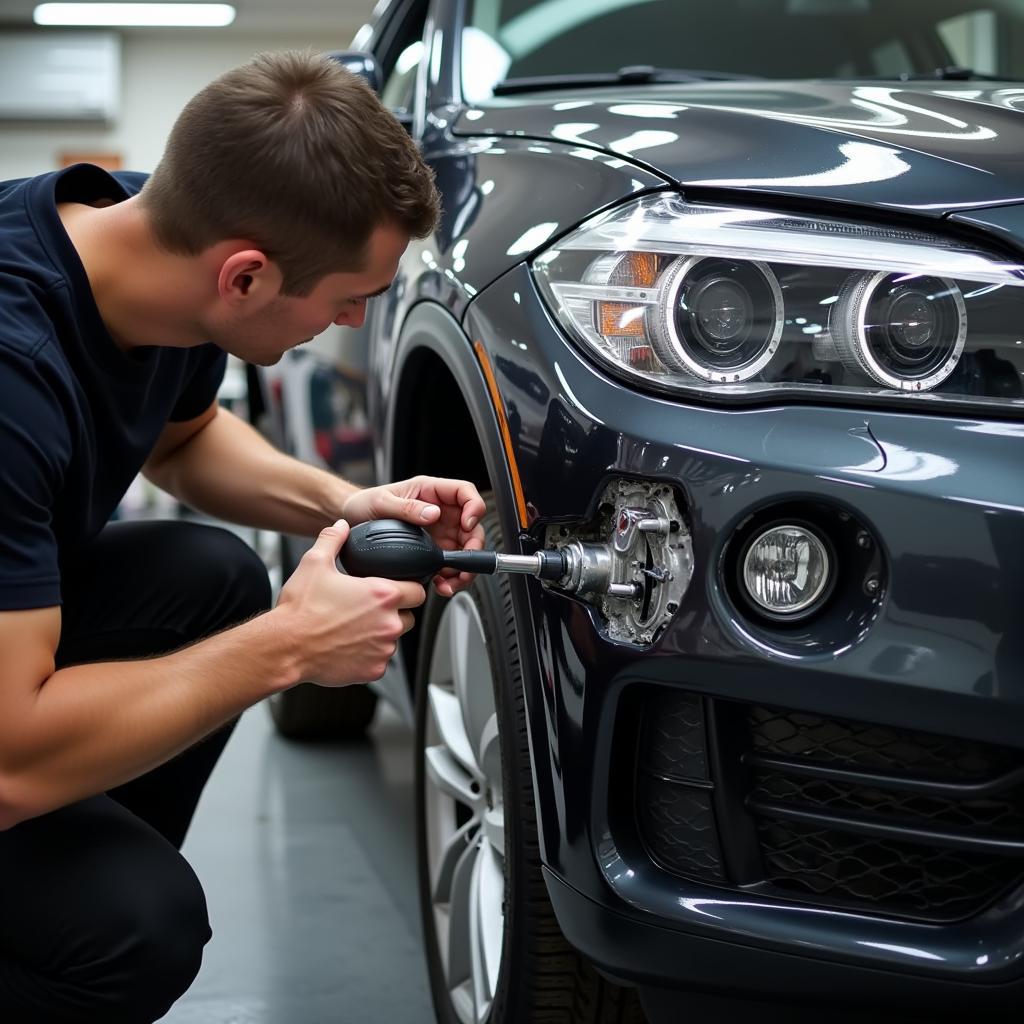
786	570
902	331
719	319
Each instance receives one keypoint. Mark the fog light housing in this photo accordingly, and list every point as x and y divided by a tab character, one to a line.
787	571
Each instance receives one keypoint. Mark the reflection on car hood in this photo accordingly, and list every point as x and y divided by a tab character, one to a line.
930	148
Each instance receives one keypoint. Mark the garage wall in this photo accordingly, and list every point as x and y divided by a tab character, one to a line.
161	71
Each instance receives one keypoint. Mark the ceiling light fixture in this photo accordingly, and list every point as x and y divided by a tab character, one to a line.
176	15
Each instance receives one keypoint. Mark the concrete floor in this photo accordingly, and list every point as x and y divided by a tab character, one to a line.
307	857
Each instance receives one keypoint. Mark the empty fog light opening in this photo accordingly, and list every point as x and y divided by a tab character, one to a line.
633	561
787	571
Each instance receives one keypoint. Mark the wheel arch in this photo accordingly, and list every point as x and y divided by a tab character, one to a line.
440	420
433	342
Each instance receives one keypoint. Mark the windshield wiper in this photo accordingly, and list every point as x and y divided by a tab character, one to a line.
635	74
953	73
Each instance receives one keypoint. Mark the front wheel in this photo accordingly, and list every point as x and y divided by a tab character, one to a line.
494	950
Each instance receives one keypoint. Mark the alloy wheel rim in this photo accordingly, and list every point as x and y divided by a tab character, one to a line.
465	812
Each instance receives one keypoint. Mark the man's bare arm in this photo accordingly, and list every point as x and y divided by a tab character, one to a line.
220	465
77	731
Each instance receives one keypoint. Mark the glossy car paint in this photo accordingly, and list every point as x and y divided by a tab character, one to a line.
1003	222
940	652
922	148
935	493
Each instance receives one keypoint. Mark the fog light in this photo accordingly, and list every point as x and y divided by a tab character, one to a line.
786	570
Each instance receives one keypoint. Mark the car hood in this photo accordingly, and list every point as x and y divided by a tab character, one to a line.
929	148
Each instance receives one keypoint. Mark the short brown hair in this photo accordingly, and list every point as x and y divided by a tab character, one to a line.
298	154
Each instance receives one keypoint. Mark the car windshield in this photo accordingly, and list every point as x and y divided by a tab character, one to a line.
509	40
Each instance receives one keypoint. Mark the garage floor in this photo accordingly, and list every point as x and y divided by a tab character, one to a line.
306	854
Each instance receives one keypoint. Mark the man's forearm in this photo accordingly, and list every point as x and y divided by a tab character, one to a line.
89	728
230	471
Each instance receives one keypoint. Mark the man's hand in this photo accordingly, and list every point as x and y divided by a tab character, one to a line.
449	510
346	628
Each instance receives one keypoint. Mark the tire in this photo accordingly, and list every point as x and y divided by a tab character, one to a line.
494	950
311	712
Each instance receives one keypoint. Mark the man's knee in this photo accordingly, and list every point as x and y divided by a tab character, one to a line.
228	571
208	579
109	922
152	932
185	581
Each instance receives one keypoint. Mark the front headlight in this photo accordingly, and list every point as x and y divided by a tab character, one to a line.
735	303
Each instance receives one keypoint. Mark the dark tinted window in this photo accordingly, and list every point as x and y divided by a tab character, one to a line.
765	38
401	58
401	83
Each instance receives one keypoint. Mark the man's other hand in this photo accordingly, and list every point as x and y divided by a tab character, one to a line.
449	510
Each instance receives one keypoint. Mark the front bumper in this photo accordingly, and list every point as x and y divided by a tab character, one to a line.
937	652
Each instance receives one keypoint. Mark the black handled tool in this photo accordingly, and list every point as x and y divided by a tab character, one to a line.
400	551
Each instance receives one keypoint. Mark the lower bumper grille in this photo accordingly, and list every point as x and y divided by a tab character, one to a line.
843	743
843	869
995	815
840	813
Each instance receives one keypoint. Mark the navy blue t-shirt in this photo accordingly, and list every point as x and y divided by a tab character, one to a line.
78	416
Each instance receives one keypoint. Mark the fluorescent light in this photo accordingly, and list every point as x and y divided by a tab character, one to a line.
184	15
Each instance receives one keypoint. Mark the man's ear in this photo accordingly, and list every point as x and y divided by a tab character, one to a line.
248	277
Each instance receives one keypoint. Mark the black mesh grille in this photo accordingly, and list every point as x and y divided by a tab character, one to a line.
672	743
679	828
875	748
673	805
909	879
837	812
1004	816
922	868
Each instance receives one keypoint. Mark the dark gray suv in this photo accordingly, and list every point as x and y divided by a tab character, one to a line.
726	303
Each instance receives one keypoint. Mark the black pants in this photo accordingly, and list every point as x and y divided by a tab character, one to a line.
101	919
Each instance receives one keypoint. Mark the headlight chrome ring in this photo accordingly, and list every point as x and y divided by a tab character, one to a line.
908	336
718	319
